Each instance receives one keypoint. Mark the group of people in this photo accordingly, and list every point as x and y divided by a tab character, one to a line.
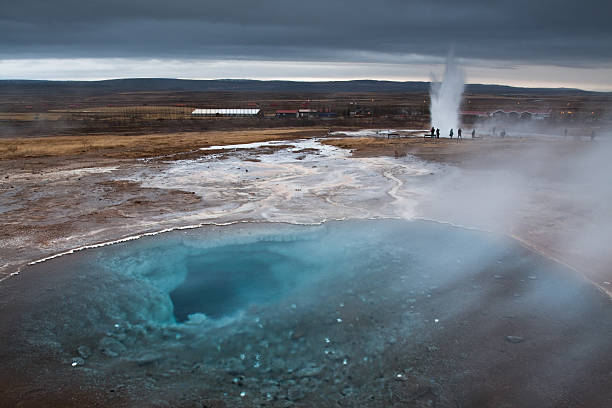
435	133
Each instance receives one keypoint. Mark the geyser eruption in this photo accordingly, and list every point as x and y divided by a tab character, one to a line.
446	98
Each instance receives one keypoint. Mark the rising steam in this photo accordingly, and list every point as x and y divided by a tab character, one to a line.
446	98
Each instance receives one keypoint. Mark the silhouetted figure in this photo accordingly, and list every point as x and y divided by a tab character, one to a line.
437	133
494	129
433	132
473	133
592	135
502	134
451	133
459	134
565	133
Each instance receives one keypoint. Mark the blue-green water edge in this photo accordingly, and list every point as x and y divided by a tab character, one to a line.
270	313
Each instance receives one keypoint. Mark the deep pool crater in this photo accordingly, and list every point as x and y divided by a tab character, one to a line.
222	281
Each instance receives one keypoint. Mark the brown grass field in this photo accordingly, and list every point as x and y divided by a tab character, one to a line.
139	146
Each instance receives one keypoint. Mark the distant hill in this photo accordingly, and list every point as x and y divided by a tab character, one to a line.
245	85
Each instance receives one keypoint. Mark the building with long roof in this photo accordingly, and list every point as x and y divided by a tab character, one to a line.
226	112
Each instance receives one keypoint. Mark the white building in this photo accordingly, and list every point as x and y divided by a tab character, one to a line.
226	112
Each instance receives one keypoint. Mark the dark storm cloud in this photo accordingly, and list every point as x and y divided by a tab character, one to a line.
561	32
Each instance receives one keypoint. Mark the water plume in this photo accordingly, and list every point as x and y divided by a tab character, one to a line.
446	97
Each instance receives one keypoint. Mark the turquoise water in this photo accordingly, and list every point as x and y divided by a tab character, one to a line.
222	281
257	314
221	272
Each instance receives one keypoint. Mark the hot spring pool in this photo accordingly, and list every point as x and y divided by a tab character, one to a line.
275	314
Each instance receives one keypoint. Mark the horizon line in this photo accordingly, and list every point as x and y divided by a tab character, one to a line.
314	81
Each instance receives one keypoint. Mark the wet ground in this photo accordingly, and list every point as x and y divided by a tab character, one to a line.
300	181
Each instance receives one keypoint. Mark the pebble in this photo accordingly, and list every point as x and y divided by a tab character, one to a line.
147	359
514	339
77	361
295	394
84	352
310	371
111	347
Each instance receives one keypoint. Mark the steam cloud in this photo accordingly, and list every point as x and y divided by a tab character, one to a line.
446	98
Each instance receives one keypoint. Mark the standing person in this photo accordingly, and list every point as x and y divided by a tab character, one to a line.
433	132
459	134
473	133
565	133
451	133
592	134
502	134
437	133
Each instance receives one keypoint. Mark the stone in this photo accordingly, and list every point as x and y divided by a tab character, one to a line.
310	371
147	359
514	339
77	361
295	394
84	352
111	347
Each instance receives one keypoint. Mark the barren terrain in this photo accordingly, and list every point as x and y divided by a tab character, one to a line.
76	177
43	177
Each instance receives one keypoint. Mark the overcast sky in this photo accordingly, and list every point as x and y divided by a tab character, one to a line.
528	42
